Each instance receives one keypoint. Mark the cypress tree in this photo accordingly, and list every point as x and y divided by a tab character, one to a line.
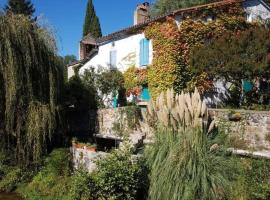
24	7
91	22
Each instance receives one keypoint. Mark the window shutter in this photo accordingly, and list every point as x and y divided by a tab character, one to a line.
113	58
141	52
144	52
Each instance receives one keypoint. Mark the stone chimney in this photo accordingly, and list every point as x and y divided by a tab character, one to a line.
141	13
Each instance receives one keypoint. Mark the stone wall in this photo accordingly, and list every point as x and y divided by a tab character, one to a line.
113	120
119	122
252	131
85	158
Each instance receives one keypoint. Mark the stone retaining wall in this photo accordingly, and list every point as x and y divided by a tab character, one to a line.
84	158
117	122
251	132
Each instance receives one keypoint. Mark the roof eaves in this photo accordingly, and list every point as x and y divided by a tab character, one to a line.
132	29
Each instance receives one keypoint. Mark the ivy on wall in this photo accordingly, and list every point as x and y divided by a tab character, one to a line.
167	55
134	79
172	46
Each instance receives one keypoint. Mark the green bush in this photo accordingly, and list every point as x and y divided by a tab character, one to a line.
83	186
53	181
11	180
120	178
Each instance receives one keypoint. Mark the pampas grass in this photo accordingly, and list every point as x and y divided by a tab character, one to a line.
182	164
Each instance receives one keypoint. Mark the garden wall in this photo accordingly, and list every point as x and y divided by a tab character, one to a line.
252	131
119	123
85	158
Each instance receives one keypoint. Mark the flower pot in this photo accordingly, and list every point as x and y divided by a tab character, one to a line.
93	149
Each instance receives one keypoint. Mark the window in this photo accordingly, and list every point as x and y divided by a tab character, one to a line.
144	52
113	59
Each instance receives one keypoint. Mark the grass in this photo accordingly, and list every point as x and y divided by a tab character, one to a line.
182	165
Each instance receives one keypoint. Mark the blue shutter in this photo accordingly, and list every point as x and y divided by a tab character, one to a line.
144	52
145	95
141	52
113	58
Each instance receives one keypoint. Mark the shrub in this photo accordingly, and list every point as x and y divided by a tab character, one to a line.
53	181
83	186
11	180
119	177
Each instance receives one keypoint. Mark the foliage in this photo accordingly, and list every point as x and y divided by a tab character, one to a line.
68	59
24	7
161	7
107	83
53	181
11	179
110	81
177	112
83	186
191	169
91	22
82	96
251	178
119	177
170	67
181	149
257	176
162	73
30	81
127	120
245	56
134	80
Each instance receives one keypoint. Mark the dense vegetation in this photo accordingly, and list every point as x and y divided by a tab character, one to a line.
235	57
30	81
117	177
187	158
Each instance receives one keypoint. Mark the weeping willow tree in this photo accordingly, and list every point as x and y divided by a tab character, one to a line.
30	77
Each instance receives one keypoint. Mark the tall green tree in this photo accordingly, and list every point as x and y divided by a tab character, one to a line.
91	22
24	7
164	6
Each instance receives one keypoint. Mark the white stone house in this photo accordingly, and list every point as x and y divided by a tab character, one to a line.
129	46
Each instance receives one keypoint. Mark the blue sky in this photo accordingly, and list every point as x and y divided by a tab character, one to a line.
66	17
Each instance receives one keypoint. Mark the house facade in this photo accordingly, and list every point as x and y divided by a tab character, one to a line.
129	47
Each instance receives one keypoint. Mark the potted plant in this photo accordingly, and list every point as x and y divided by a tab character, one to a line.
234	116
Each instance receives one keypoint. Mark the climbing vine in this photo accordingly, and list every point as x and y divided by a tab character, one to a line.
30	77
166	41
172	46
134	80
